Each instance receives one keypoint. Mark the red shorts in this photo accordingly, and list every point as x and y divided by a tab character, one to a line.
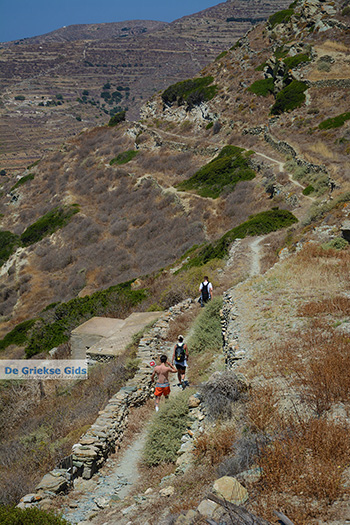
162	391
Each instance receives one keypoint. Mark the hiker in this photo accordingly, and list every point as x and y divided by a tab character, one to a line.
180	359
162	384
206	290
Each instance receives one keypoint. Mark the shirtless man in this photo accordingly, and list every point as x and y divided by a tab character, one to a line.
162	384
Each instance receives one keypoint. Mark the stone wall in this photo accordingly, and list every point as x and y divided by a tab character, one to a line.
331	82
232	349
286	149
106	433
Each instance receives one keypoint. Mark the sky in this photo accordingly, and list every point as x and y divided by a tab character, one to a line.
26	18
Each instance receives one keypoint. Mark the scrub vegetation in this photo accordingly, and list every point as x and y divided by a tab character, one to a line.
221	174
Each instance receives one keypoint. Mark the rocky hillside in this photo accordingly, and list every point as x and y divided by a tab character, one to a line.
244	166
114	193
54	85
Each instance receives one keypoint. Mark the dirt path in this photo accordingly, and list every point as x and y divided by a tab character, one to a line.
281	164
114	481
255	262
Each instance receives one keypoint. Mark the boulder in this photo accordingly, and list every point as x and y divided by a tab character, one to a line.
193	401
53	483
230	489
167	491
207	508
345	230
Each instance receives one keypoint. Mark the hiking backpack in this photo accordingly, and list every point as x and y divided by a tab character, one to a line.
205	291
180	352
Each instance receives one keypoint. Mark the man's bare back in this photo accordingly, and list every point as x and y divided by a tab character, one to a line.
162	372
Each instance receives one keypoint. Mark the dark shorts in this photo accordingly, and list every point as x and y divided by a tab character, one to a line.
181	367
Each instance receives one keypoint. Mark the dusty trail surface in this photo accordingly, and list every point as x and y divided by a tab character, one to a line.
114	480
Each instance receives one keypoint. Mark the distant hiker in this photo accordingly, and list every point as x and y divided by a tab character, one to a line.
162	384
180	359
206	290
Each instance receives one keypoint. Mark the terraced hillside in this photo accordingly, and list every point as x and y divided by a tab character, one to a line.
51	85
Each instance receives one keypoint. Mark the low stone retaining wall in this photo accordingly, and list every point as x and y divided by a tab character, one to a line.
286	149
331	82
230	335
106	433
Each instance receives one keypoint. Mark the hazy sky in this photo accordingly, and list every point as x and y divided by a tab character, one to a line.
25	18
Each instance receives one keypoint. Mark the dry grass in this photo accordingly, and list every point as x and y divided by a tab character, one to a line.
337	306
192	487
59	415
262	409
322	149
214	445
295	317
180	325
304	466
317	364
150	477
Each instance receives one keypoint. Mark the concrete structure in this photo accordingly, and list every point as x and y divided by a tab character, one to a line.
103	338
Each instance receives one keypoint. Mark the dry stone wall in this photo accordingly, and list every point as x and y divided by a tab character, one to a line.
106	433
284	148
232	347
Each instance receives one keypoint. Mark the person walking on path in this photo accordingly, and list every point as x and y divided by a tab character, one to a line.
162	384
206	290
180	359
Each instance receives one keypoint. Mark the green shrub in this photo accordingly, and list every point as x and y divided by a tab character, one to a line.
318	210
22	180
20	97
33	164
18	336
292	62
192	91
318	182
166	431
281	17
281	52
49	223
338	243
290	97
335	122
261	67
346	11
263	87
124	157
65	317
32	516
222	173
309	189
259	224
117	118
206	332
222	55
8	243
209	125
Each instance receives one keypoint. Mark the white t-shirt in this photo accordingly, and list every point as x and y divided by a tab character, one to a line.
210	287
